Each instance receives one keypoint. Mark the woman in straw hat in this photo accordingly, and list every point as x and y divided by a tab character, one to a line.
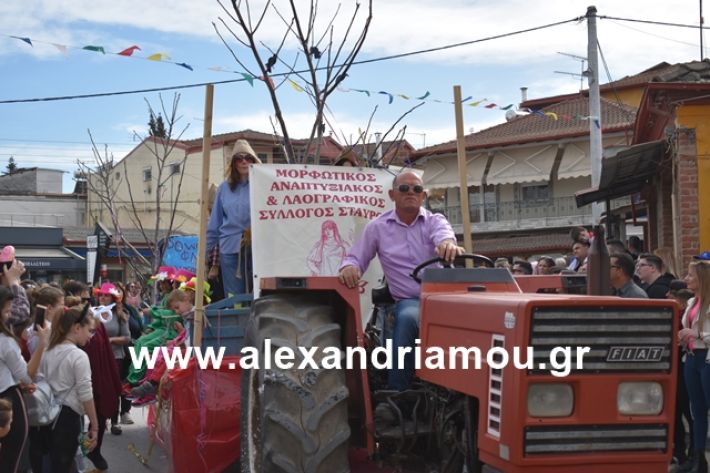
230	221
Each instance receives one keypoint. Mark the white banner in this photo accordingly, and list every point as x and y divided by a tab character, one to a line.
305	219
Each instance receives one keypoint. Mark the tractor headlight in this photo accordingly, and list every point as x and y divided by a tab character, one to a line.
550	400
639	398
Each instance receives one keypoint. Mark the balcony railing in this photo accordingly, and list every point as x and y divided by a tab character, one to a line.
559	211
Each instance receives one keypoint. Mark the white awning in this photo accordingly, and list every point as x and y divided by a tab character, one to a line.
575	162
528	164
441	173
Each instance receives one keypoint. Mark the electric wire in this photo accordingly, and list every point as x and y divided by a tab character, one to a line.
361	62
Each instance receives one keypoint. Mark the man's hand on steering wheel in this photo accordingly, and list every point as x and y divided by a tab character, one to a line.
448	250
350	276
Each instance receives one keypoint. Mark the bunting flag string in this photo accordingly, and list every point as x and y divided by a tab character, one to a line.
130	52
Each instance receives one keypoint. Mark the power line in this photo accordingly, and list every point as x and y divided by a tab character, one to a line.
687	43
364	61
65	142
650	22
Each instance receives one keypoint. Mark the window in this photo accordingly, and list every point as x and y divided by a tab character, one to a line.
147	174
174	169
117	176
262	157
535	193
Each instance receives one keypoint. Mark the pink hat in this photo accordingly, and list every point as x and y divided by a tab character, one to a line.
164	273
7	255
108	289
183	275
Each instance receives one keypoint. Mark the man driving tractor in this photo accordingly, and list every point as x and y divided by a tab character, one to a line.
402	238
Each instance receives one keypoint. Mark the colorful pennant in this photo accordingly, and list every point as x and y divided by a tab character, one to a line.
26	40
97	49
129	51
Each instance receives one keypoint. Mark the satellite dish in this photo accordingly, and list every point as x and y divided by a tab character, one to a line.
513	114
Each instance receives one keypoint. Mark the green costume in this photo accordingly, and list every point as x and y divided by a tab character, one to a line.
162	332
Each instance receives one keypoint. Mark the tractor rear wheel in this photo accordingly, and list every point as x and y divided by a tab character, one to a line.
294	420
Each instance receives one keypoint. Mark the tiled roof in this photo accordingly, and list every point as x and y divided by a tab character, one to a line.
237	135
693	71
401	149
532	244
535	128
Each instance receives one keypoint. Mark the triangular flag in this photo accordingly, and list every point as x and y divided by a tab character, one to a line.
343	89
565	116
391	98
98	49
248	77
596	122
438	101
26	40
538	112
217	69
424	96
491	105
467	99
62	49
405	97
363	91
477	103
129	51
295	86
158	57
551	114
507	107
186	66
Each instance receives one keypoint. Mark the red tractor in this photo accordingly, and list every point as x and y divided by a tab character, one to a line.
612	413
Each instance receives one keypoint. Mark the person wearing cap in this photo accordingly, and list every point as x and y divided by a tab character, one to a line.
116	323
230	221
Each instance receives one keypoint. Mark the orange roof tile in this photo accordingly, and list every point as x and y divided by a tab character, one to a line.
535	128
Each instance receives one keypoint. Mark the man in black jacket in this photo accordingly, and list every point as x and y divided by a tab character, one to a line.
655	283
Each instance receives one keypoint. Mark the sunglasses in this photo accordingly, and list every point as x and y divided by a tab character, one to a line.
242	157
404	188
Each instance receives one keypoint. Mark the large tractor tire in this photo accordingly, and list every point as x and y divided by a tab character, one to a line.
294	421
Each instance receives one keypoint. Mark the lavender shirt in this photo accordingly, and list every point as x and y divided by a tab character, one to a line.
400	248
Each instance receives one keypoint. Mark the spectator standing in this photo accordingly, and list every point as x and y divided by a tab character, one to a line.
695	335
116	323
621	272
635	246
545	265
681	452
11	270
67	370
14	372
580	250
230	221
522	268
133	295
649	270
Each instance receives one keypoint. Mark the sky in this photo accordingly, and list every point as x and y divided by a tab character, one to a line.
55	134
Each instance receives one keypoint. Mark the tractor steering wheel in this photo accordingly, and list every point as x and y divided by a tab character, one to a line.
483	260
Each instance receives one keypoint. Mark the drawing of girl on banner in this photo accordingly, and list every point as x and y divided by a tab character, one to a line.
328	252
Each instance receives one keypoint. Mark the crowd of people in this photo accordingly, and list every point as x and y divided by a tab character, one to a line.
70	343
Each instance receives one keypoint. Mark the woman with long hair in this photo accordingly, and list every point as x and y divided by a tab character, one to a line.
14	372
695	336
328	252
228	228
105	383
67	370
47	304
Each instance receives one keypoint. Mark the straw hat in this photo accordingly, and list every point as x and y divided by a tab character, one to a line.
243	147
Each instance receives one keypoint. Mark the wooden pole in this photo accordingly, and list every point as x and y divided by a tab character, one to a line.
463	176
204	201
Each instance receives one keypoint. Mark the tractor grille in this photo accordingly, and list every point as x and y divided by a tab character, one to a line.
620	340
595	438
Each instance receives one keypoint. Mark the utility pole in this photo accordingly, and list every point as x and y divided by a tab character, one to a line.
595	118
702	51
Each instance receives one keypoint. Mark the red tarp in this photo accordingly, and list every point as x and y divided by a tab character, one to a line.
198	420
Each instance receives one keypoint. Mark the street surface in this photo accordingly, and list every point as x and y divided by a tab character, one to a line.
116	447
